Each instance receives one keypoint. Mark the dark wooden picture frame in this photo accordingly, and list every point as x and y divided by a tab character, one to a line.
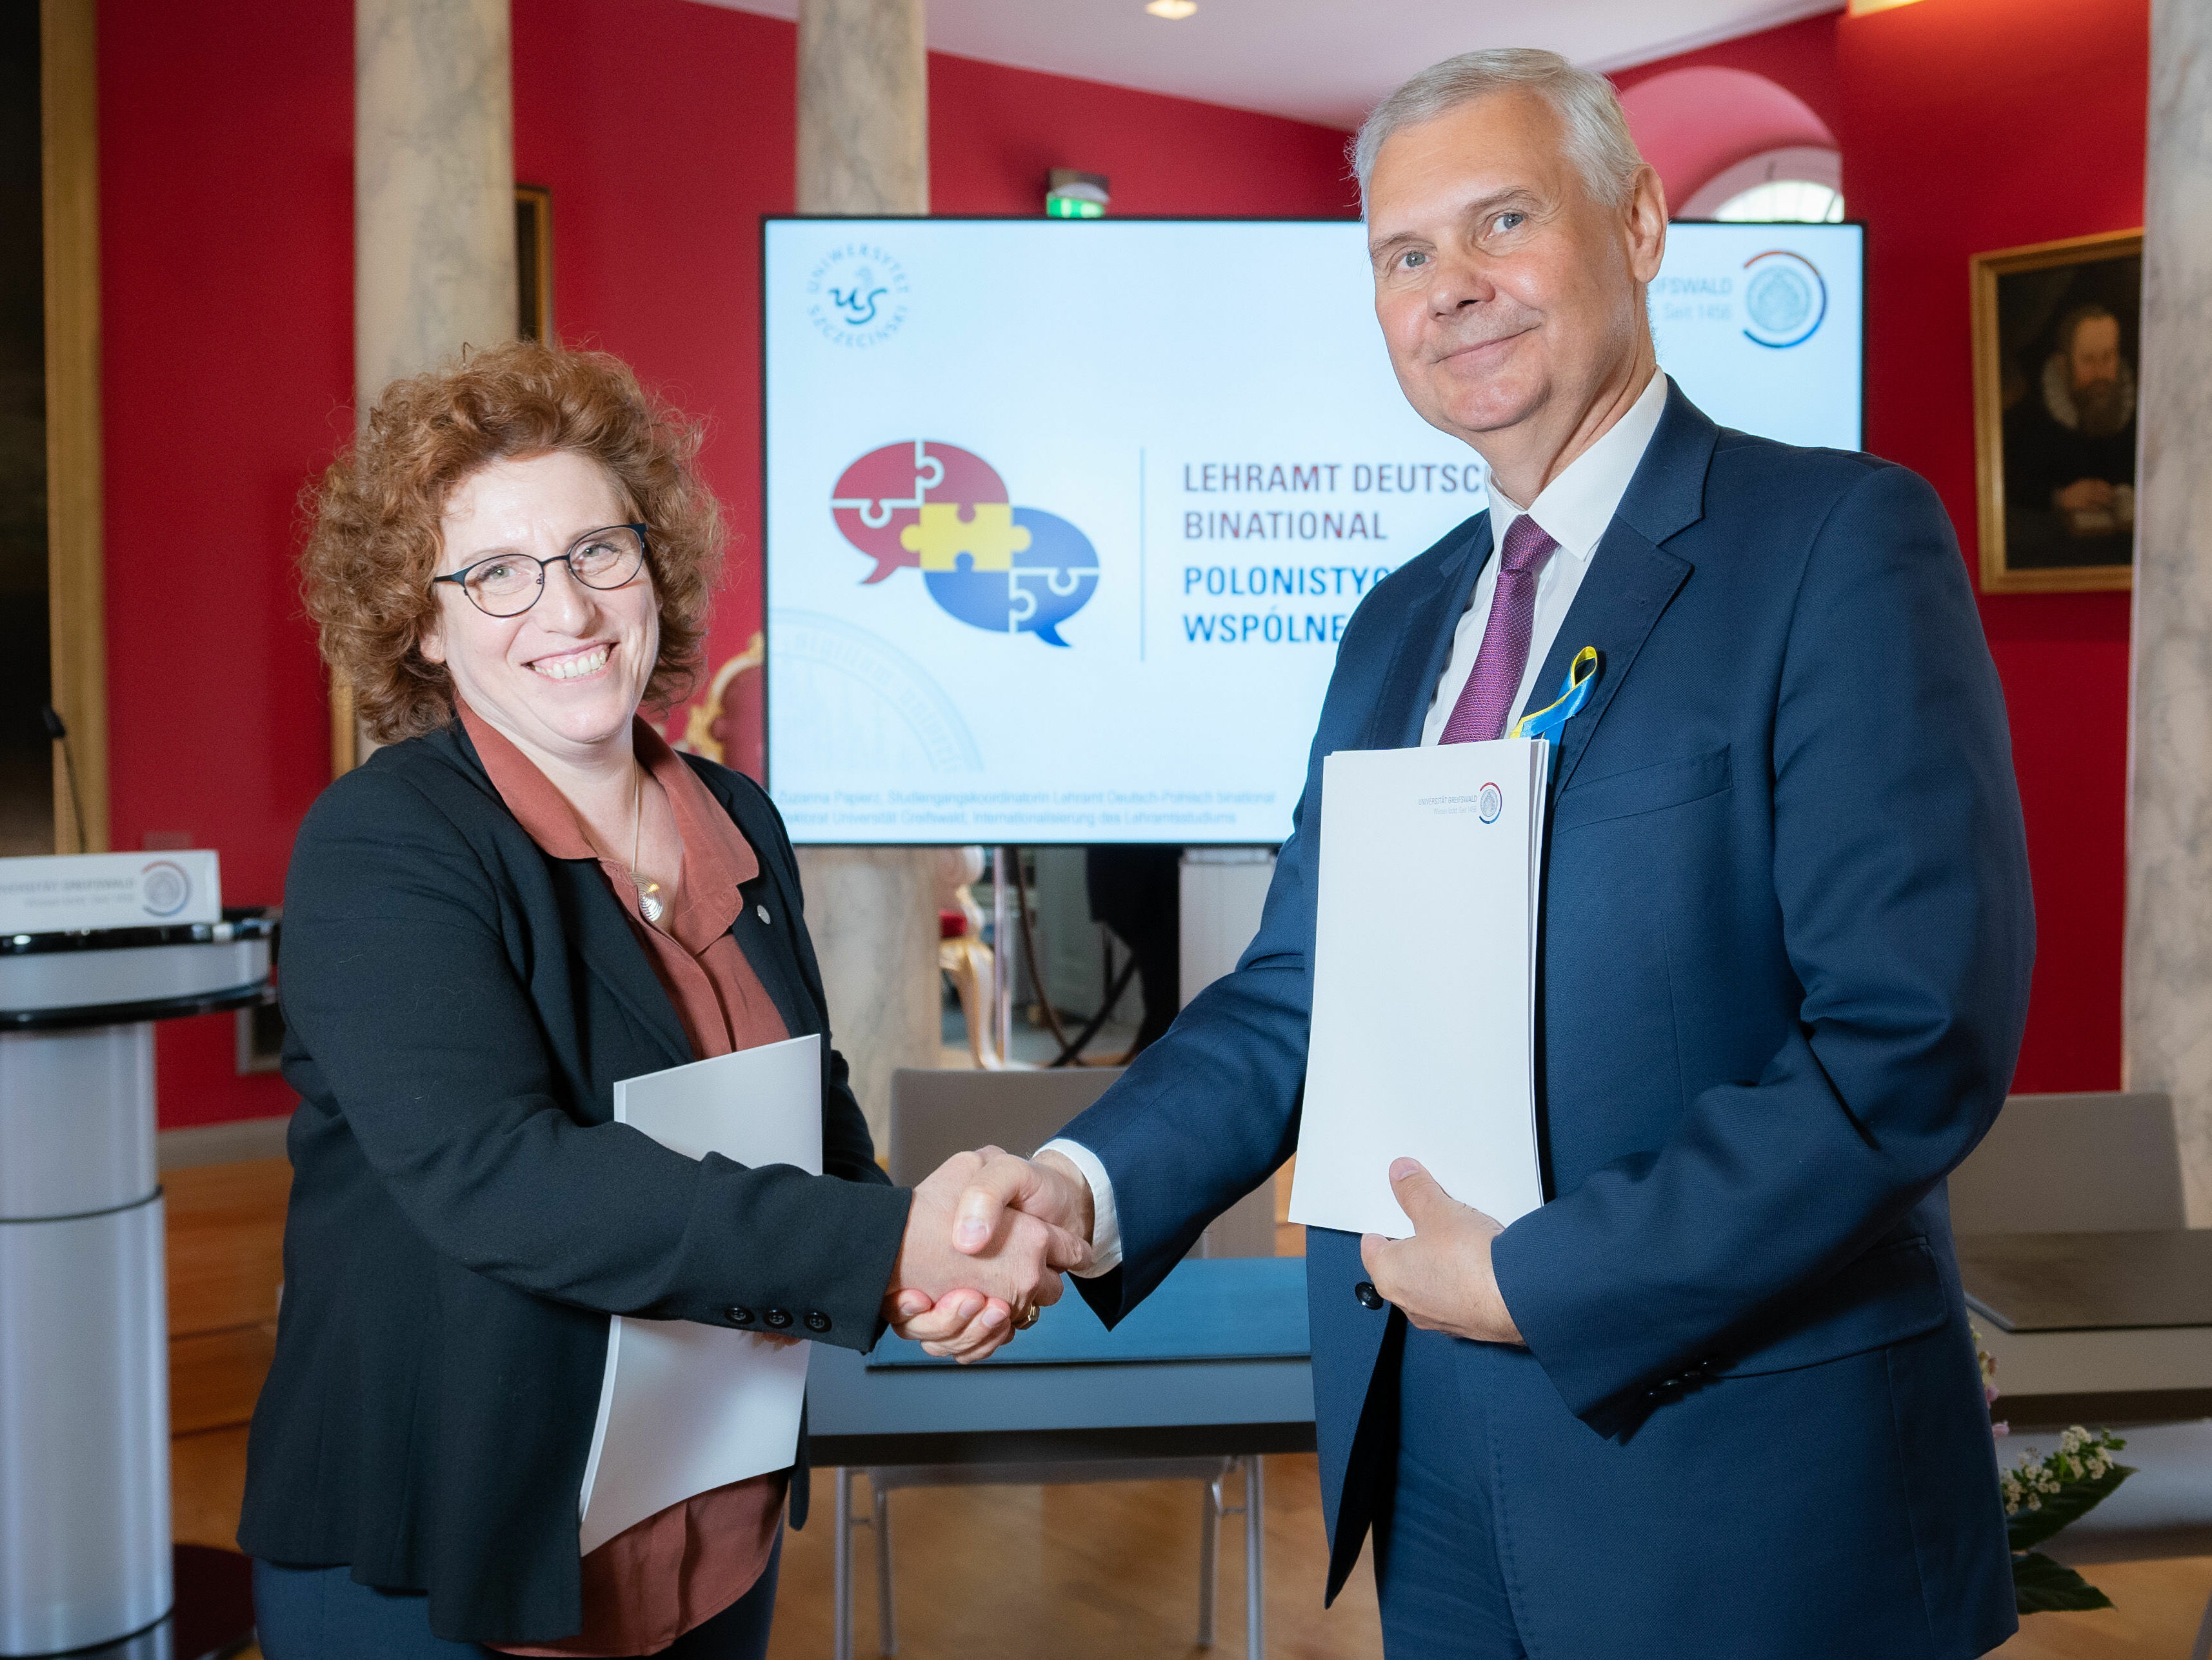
533	262
2057	332
77	560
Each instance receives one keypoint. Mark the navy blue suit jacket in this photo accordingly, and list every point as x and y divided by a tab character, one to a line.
1784	974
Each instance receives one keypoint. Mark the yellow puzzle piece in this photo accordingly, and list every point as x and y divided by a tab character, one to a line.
990	539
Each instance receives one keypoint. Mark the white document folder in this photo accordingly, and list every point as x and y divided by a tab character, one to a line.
1423	1040
685	1408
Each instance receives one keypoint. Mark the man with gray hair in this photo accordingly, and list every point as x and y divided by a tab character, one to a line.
1717	1397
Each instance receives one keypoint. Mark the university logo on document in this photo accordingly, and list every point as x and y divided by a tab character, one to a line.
945	512
164	889
1785	299
1489	802
857	294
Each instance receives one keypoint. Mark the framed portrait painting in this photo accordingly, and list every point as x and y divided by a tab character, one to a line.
2057	331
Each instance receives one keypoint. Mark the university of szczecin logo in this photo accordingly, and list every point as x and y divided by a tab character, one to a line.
945	512
857	295
1784	298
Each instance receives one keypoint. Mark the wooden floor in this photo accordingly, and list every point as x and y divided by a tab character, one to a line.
226	1225
1075	1573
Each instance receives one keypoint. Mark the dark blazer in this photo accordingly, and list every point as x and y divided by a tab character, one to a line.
465	1216
1783	975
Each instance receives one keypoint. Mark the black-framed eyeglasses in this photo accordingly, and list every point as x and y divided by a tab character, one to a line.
509	584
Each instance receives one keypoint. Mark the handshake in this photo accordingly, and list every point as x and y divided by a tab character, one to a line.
987	1240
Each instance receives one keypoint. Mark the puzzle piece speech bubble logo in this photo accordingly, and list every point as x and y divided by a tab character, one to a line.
881	495
985	535
1044	584
943	510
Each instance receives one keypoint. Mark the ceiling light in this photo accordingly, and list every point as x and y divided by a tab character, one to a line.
1174	10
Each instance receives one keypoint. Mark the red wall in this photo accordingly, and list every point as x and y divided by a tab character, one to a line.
1696	131
1968	126
663	129
1800	56
994	133
226	138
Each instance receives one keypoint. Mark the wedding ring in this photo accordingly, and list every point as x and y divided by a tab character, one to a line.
1029	1318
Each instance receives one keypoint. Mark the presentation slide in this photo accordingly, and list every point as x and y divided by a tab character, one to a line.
1065	520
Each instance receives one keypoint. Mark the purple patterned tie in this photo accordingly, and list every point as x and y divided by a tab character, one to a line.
1479	714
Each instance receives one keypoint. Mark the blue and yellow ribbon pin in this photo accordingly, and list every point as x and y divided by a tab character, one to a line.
1574	692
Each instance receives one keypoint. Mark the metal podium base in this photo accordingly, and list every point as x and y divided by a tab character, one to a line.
84	1418
213	1619
84	1376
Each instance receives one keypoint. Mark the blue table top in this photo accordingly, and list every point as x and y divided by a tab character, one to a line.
1220	1367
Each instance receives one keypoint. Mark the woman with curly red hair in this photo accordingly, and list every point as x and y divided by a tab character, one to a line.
523	897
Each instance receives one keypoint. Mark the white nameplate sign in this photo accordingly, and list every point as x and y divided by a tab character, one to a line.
109	891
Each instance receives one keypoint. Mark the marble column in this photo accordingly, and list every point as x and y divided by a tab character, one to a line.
433	185
863	107
864	148
2169	978
433	207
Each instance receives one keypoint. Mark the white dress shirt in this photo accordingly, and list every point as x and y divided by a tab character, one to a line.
1574	510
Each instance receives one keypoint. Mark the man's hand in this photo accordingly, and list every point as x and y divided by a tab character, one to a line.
966	1302
1047	1187
1442	1276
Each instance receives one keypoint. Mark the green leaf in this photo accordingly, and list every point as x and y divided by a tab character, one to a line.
2073	1501
2041	1585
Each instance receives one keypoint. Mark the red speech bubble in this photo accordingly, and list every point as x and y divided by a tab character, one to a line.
882	493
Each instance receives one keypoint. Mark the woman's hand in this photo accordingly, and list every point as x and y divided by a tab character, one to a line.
963	1325
965	1301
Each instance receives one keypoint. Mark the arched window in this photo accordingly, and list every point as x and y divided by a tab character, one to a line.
1800	183
1729	144
1799	201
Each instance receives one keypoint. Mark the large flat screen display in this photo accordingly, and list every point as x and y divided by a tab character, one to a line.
1065	519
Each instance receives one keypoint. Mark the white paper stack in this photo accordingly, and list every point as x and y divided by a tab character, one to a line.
685	1408
1423	1040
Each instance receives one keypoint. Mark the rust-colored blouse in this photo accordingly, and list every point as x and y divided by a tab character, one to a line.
646	1587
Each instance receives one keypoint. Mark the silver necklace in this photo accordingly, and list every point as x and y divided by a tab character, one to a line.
648	892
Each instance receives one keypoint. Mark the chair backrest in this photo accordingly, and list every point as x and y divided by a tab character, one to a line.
935	1114
2073	1164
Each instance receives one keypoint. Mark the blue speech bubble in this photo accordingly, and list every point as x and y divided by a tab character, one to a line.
1055	576
1051	580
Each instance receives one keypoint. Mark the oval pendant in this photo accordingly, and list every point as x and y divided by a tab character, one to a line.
648	905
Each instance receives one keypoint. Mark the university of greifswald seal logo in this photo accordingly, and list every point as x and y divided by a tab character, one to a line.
1784	298
163	888
857	294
